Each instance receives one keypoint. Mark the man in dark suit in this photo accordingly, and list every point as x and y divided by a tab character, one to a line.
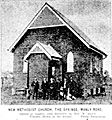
36	87
58	85
44	88
72	87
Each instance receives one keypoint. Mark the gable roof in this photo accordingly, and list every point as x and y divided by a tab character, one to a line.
58	20
45	18
43	48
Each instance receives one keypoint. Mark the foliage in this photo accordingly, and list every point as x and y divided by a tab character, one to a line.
106	78
7	79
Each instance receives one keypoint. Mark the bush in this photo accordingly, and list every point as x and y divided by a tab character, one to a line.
7	79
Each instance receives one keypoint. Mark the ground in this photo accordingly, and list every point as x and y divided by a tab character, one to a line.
8	99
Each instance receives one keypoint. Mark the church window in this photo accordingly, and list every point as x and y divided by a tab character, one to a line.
70	62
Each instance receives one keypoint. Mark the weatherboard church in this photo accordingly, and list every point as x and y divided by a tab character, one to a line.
53	46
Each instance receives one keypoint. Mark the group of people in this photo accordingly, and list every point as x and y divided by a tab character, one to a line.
54	89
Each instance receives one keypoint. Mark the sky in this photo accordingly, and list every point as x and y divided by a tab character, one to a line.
93	17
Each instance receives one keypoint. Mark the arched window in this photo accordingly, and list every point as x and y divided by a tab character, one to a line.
70	62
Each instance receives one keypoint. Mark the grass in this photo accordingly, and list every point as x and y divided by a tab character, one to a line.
8	99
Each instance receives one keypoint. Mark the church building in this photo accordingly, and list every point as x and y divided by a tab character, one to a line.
53	46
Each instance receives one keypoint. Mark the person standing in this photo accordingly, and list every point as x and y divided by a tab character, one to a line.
72	88
36	87
57	88
52	88
31	90
44	87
